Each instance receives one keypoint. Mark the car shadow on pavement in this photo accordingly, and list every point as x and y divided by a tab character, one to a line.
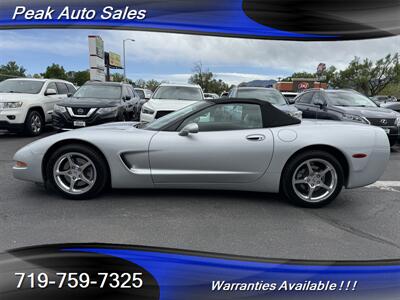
46	132
39	192
187	194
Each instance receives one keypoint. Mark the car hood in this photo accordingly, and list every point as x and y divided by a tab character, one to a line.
369	112
8	97
89	102
93	134
168	104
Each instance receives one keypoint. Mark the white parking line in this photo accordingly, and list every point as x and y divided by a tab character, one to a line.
386	185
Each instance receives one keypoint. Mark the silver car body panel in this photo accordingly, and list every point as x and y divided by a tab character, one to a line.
251	159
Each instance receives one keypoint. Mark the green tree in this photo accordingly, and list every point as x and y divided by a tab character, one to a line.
117	77
369	77
392	89
11	70
201	77
140	83
206	80
329	74
55	71
152	84
80	77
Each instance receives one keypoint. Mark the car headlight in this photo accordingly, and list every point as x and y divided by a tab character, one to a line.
147	110
355	118
106	110
296	114
59	108
11	105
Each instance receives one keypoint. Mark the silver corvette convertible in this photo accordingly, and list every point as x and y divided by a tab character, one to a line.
236	144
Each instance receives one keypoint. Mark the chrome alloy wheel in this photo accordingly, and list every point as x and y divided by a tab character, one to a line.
74	173
36	123
314	180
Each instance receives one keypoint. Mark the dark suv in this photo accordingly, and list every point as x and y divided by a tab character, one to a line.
348	105
95	103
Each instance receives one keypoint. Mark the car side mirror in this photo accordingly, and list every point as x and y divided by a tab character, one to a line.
69	95
126	98
189	128
320	103
291	101
50	92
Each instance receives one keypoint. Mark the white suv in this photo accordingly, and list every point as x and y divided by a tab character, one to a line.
26	104
168	98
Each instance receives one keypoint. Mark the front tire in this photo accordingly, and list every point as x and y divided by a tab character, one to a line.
77	172
312	179
34	123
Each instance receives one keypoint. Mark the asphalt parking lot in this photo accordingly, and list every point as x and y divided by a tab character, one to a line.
361	224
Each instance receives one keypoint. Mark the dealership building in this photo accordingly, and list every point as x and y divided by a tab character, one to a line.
299	84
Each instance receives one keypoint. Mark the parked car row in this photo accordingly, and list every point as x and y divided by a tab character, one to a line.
27	105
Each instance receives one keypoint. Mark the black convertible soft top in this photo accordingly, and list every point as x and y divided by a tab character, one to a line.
272	116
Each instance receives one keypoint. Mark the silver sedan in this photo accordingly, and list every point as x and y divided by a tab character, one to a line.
235	144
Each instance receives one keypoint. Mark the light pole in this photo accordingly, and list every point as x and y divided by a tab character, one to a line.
123	51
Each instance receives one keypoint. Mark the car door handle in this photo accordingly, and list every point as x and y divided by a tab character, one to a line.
255	137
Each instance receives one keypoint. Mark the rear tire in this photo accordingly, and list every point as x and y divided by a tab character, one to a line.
312	179
77	172
34	123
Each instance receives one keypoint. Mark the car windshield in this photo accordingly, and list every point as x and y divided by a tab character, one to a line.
140	93
271	96
21	86
163	121
178	93
348	98
98	91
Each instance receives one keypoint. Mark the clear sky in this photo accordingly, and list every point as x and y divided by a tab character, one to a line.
165	56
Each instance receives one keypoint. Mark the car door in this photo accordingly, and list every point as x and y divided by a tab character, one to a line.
231	147
50	100
321	106
135	97
304	103
127	97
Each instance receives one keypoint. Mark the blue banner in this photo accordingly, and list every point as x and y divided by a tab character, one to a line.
171	274
273	19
